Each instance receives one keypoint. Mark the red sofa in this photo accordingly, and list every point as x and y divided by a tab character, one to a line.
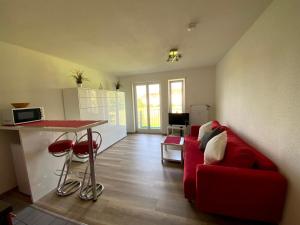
245	184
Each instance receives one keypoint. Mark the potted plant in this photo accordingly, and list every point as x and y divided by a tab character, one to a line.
79	78
117	85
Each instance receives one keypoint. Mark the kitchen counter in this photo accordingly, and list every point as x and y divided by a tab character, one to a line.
57	125
34	166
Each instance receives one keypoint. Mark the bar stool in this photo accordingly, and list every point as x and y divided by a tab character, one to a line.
62	147
81	150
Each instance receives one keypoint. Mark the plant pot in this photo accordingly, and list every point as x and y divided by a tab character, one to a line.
79	84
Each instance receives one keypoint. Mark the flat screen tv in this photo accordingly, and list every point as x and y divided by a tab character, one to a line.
179	118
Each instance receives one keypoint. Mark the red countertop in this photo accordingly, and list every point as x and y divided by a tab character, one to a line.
57	125
60	123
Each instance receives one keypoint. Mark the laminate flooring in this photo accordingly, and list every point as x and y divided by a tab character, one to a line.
139	190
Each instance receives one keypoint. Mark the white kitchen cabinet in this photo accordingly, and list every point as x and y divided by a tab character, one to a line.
94	104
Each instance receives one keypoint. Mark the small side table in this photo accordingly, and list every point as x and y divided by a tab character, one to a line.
175	155
182	129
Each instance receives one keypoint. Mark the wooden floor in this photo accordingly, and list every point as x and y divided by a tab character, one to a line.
139	190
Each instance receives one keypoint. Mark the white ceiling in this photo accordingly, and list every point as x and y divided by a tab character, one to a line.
124	37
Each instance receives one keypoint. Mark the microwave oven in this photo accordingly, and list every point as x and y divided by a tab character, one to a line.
17	116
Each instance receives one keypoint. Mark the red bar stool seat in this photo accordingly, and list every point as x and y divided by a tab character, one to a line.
81	150
59	148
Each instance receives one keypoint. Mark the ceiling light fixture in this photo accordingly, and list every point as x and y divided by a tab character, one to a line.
174	55
191	26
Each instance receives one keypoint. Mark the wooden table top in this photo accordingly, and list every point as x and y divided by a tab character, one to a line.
57	125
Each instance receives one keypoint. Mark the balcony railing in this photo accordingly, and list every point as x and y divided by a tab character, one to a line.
154	118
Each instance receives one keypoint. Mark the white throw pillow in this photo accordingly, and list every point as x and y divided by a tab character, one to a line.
204	129
215	148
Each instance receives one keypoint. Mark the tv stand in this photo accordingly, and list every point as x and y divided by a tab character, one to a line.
181	128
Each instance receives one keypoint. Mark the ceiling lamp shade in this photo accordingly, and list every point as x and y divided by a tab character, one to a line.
174	55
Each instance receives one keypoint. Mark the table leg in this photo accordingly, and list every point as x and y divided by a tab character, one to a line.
92	164
161	152
181	155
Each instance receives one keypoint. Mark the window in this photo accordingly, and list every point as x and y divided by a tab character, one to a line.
176	95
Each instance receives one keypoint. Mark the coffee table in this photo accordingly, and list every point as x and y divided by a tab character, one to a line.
175	155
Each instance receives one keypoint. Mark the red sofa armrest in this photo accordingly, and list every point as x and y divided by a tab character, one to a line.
238	192
195	130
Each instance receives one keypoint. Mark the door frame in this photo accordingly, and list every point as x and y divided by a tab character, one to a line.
146	130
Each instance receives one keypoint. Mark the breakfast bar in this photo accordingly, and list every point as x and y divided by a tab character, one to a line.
33	167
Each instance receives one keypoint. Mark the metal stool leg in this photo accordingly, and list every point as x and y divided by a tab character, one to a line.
67	186
63	147
87	147
86	191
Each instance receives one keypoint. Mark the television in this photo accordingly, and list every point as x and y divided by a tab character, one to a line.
179	119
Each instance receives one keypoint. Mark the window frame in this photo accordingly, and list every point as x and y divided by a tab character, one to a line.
148	129
170	95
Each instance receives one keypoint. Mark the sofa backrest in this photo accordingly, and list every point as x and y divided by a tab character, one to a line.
235	143
248	156
195	128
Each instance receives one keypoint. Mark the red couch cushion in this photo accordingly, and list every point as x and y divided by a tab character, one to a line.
242	193
215	124
194	130
192	157
261	161
241	158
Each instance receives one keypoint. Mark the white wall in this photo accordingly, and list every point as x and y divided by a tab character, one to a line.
30	76
258	92
200	89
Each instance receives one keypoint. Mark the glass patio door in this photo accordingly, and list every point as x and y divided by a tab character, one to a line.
147	102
